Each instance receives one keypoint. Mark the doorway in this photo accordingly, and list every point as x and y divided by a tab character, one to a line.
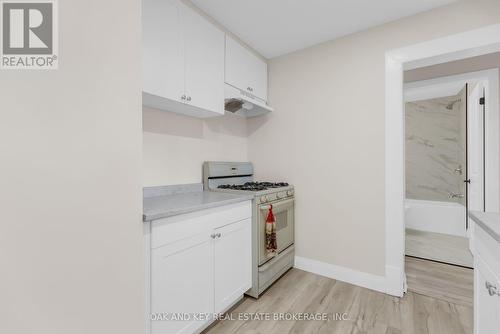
459	46
445	161
436	175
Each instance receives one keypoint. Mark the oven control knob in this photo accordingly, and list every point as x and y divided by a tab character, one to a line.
263	199
290	192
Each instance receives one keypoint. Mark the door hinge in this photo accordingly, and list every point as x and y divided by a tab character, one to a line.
482	101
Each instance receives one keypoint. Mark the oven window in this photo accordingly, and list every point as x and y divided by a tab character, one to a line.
281	221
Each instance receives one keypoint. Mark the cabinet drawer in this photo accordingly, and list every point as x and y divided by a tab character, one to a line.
171	229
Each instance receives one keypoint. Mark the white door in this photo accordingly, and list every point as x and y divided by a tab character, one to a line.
486	301
204	68
475	148
163	54
233	263
244	70
182	282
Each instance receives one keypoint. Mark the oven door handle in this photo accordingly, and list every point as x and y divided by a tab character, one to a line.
276	206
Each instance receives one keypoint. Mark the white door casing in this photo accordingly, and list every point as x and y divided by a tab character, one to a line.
458	46
475	137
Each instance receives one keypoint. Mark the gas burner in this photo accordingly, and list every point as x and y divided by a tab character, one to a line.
253	186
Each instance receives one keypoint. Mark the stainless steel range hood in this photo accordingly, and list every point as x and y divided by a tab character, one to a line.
244	104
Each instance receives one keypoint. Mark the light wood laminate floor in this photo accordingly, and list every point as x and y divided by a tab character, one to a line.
438	247
442	281
367	311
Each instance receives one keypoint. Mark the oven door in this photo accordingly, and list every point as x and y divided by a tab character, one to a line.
284	215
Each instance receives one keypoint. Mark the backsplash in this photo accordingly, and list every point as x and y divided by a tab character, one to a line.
175	146
435	148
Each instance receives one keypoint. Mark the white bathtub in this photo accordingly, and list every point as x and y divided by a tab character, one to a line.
433	216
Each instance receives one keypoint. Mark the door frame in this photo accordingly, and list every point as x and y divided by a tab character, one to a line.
451	85
454	47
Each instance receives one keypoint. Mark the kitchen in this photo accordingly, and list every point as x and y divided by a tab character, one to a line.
231	169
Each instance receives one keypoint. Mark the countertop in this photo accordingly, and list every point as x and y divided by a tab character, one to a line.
158	207
490	222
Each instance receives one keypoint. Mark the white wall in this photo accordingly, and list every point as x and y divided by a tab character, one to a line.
71	254
326	135
175	146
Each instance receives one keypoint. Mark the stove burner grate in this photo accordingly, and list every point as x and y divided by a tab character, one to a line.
253	186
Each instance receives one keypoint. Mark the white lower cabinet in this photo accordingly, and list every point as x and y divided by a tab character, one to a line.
200	264
486	283
181	282
487	295
233	263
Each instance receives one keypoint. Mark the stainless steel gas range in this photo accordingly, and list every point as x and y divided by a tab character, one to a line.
237	177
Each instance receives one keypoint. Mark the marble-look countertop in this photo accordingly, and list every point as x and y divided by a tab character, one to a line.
179	203
488	221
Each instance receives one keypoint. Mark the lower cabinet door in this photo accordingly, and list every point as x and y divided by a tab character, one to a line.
182	285
487	299
233	263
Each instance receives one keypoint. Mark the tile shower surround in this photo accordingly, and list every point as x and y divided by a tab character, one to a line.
435	147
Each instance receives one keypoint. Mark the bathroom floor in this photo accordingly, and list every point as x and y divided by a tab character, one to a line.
439	247
366	311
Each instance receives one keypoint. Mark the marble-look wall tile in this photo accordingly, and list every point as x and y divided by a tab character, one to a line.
435	148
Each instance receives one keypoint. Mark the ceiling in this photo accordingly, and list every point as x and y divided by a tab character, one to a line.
277	27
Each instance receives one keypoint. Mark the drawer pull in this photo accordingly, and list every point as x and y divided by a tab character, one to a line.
492	290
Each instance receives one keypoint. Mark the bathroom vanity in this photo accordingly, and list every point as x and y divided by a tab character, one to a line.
485	243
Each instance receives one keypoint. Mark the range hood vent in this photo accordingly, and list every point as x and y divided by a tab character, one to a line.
241	103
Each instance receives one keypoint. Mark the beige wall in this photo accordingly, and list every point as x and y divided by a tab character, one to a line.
326	135
71	253
175	146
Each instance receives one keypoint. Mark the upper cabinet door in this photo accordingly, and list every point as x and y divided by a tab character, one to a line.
204	56
244	70
163	52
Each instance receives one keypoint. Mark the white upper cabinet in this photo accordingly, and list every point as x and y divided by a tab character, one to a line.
183	60
163	54
244	70
204	55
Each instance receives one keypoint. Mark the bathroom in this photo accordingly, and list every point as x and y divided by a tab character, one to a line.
451	140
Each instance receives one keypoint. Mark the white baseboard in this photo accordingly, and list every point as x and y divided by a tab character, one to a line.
359	278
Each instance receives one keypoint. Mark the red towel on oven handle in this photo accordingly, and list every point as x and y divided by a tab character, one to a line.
271	243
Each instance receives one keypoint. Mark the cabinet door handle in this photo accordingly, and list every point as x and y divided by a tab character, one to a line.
189	98
492	290
218	235
213	236
183	97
